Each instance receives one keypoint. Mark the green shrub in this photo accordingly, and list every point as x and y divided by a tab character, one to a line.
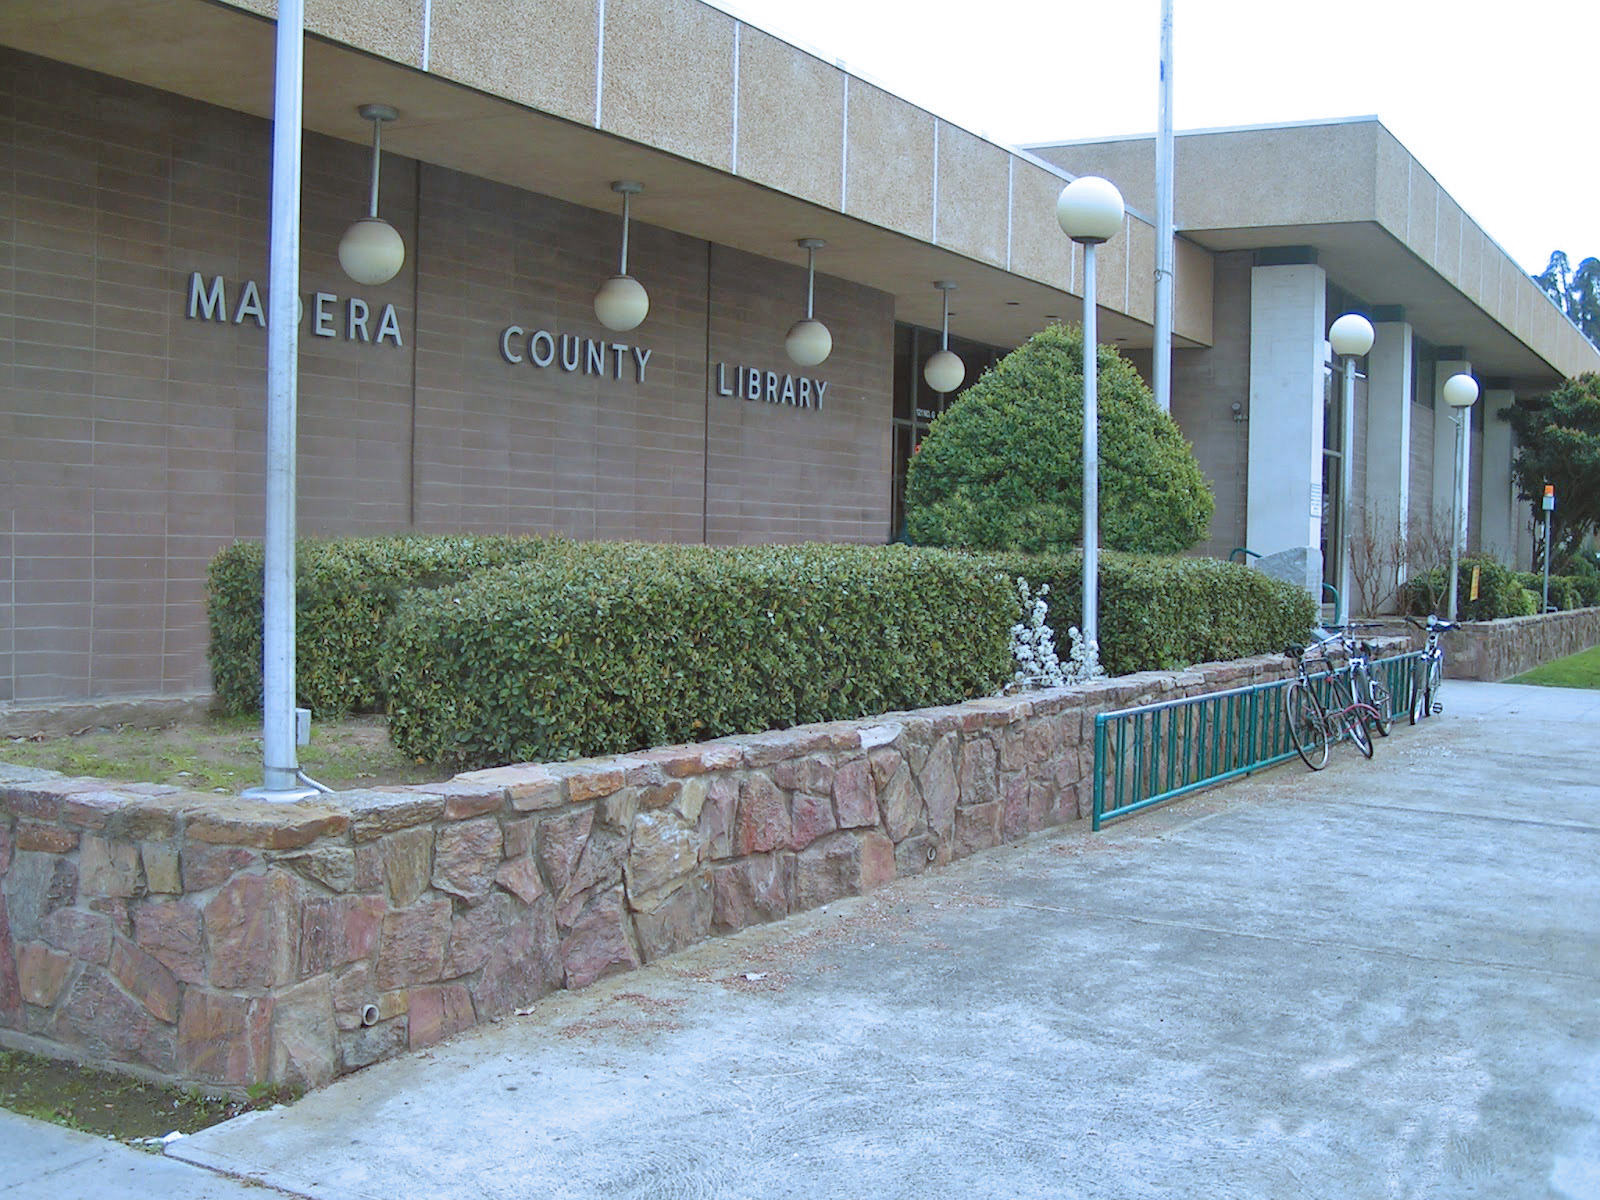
625	646
1566	591
346	590
1168	612
1500	591
1002	468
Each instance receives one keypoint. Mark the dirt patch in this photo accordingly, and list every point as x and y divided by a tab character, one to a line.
222	754
110	1105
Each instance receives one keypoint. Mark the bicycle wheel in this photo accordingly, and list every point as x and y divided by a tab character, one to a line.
1356	719
1435	685
1345	715
1308	725
1378	697
1418	700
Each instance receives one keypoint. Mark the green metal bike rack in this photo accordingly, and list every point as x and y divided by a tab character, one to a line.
1158	752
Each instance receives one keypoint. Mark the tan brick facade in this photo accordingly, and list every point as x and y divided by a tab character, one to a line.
133	433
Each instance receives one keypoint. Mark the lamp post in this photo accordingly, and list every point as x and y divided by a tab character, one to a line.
280	765
1460	393
1350	337
1090	211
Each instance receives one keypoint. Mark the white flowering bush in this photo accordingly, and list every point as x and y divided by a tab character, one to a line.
1033	645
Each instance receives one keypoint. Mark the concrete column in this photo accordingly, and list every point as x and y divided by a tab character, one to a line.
1389	433
1444	446
1500	512
1283	510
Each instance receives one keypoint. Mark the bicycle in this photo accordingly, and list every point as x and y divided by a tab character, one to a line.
1427	677
1364	685
1313	725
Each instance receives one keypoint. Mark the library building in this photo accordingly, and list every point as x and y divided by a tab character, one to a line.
636	269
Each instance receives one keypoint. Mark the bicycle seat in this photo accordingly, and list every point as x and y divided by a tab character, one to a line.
1436	623
1294	650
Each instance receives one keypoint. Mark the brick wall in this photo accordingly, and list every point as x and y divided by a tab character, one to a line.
1205	385
133	435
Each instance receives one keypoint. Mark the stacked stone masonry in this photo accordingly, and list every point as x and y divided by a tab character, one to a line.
208	940
1500	649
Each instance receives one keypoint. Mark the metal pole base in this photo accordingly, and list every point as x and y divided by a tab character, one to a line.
292	795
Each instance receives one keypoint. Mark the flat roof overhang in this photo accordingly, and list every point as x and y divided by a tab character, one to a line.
1380	224
216	53
1367	260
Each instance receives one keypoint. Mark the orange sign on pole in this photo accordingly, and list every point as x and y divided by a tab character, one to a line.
1473	595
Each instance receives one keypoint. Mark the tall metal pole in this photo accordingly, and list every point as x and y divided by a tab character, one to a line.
1091	458
1347	436
1455	520
280	758
1549	503
1161	371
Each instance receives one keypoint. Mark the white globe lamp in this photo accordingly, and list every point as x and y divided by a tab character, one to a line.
808	343
1090	210
372	251
1351	334
944	371
622	303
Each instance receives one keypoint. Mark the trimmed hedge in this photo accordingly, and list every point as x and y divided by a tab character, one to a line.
346	591
505	649
627	646
1566	591
1169	612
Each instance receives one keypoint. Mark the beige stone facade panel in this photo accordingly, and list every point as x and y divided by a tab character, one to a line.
972	188
1449	232
536	52
1113	269
1141	275
1193	301
1503	304
1246	178
1391	188
791	118
667	78
1423	222
1039	250
390	30
888	161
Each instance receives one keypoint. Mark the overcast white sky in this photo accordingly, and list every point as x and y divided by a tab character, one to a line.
1494	100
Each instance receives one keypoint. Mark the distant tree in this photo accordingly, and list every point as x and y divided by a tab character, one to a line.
1575	292
1558	442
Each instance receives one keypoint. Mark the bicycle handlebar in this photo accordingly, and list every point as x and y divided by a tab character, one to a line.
1434	624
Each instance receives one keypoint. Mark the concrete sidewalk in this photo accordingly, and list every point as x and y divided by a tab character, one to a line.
1376	981
38	1159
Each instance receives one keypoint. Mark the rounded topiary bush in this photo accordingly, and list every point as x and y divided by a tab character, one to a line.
1002	469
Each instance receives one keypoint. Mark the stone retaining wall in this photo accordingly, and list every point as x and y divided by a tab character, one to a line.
1493	650
208	940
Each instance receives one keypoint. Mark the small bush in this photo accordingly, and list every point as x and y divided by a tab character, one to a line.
346	590
1566	591
1169	612
627	646
1002	468
1500	592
